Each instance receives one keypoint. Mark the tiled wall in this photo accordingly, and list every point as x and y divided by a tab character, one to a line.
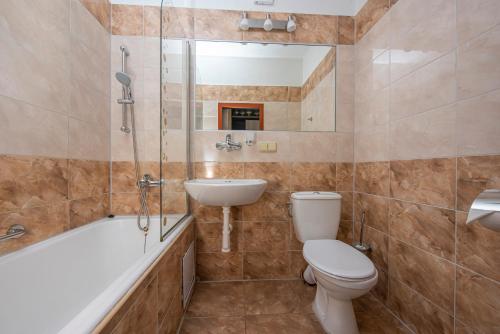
426	143
54	106
263	242
155	306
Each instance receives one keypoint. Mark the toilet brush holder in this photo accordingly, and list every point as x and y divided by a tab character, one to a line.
360	245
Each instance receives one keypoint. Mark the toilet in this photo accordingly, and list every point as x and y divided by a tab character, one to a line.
341	272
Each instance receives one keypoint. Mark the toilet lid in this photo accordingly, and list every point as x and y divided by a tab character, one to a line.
337	258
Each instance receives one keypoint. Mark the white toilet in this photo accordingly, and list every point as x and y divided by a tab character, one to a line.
342	273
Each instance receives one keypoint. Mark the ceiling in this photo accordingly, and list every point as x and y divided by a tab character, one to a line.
326	7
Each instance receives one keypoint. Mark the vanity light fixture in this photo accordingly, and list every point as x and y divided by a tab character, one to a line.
244	25
267	24
291	25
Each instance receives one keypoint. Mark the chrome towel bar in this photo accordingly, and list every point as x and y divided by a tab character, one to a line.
15	231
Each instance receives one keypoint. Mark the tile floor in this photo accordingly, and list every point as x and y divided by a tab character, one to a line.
272	307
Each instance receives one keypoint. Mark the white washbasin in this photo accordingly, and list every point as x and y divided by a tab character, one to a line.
225	192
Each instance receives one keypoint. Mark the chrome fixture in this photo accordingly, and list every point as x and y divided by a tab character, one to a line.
13	232
486	210
228	145
267	24
146	182
124	79
361	246
291	26
264	2
244	25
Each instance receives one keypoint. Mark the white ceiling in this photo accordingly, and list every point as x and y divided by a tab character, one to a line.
326	7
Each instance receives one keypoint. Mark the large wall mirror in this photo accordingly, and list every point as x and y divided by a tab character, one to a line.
267	87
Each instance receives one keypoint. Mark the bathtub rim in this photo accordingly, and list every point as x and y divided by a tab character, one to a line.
99	312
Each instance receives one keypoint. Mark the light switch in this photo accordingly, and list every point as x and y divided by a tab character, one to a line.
262	146
272	146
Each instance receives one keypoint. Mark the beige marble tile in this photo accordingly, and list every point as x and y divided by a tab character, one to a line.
312	147
375	42
477	70
475	17
372	145
427	135
127	20
420	33
101	10
476	132
41	81
37	131
429	87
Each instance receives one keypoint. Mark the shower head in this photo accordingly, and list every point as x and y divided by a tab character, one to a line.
124	78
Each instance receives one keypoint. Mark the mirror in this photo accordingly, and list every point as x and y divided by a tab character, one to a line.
267	87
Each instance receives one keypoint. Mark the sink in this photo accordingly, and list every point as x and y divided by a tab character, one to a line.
225	192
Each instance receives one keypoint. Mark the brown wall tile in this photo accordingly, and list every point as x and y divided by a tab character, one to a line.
478	302
272	206
420	315
127	20
87	178
30	181
379	243
219	266
123	177
346	206
209	237
345	176
424	181
265	236
478	248
277	174
431	229
217	24
346	30
309	176
376	210
476	174
381	290
101	9
297	264
369	15
315	29
124	203
259	265
429	275
87	210
372	178
178	22
41	223
152	21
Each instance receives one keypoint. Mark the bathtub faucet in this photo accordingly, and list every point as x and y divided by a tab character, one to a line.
147	181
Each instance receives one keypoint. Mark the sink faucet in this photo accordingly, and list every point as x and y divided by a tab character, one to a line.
228	145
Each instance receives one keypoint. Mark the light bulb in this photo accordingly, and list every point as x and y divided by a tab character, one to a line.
268	24
291	25
244	25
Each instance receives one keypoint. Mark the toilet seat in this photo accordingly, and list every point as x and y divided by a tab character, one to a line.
338	260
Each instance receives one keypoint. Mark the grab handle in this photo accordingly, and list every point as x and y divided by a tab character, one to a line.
15	231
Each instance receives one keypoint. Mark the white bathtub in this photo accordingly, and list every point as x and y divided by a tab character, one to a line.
68	283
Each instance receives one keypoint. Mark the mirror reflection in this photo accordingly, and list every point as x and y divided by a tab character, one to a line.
267	87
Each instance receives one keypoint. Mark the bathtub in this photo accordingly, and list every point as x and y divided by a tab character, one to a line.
69	283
